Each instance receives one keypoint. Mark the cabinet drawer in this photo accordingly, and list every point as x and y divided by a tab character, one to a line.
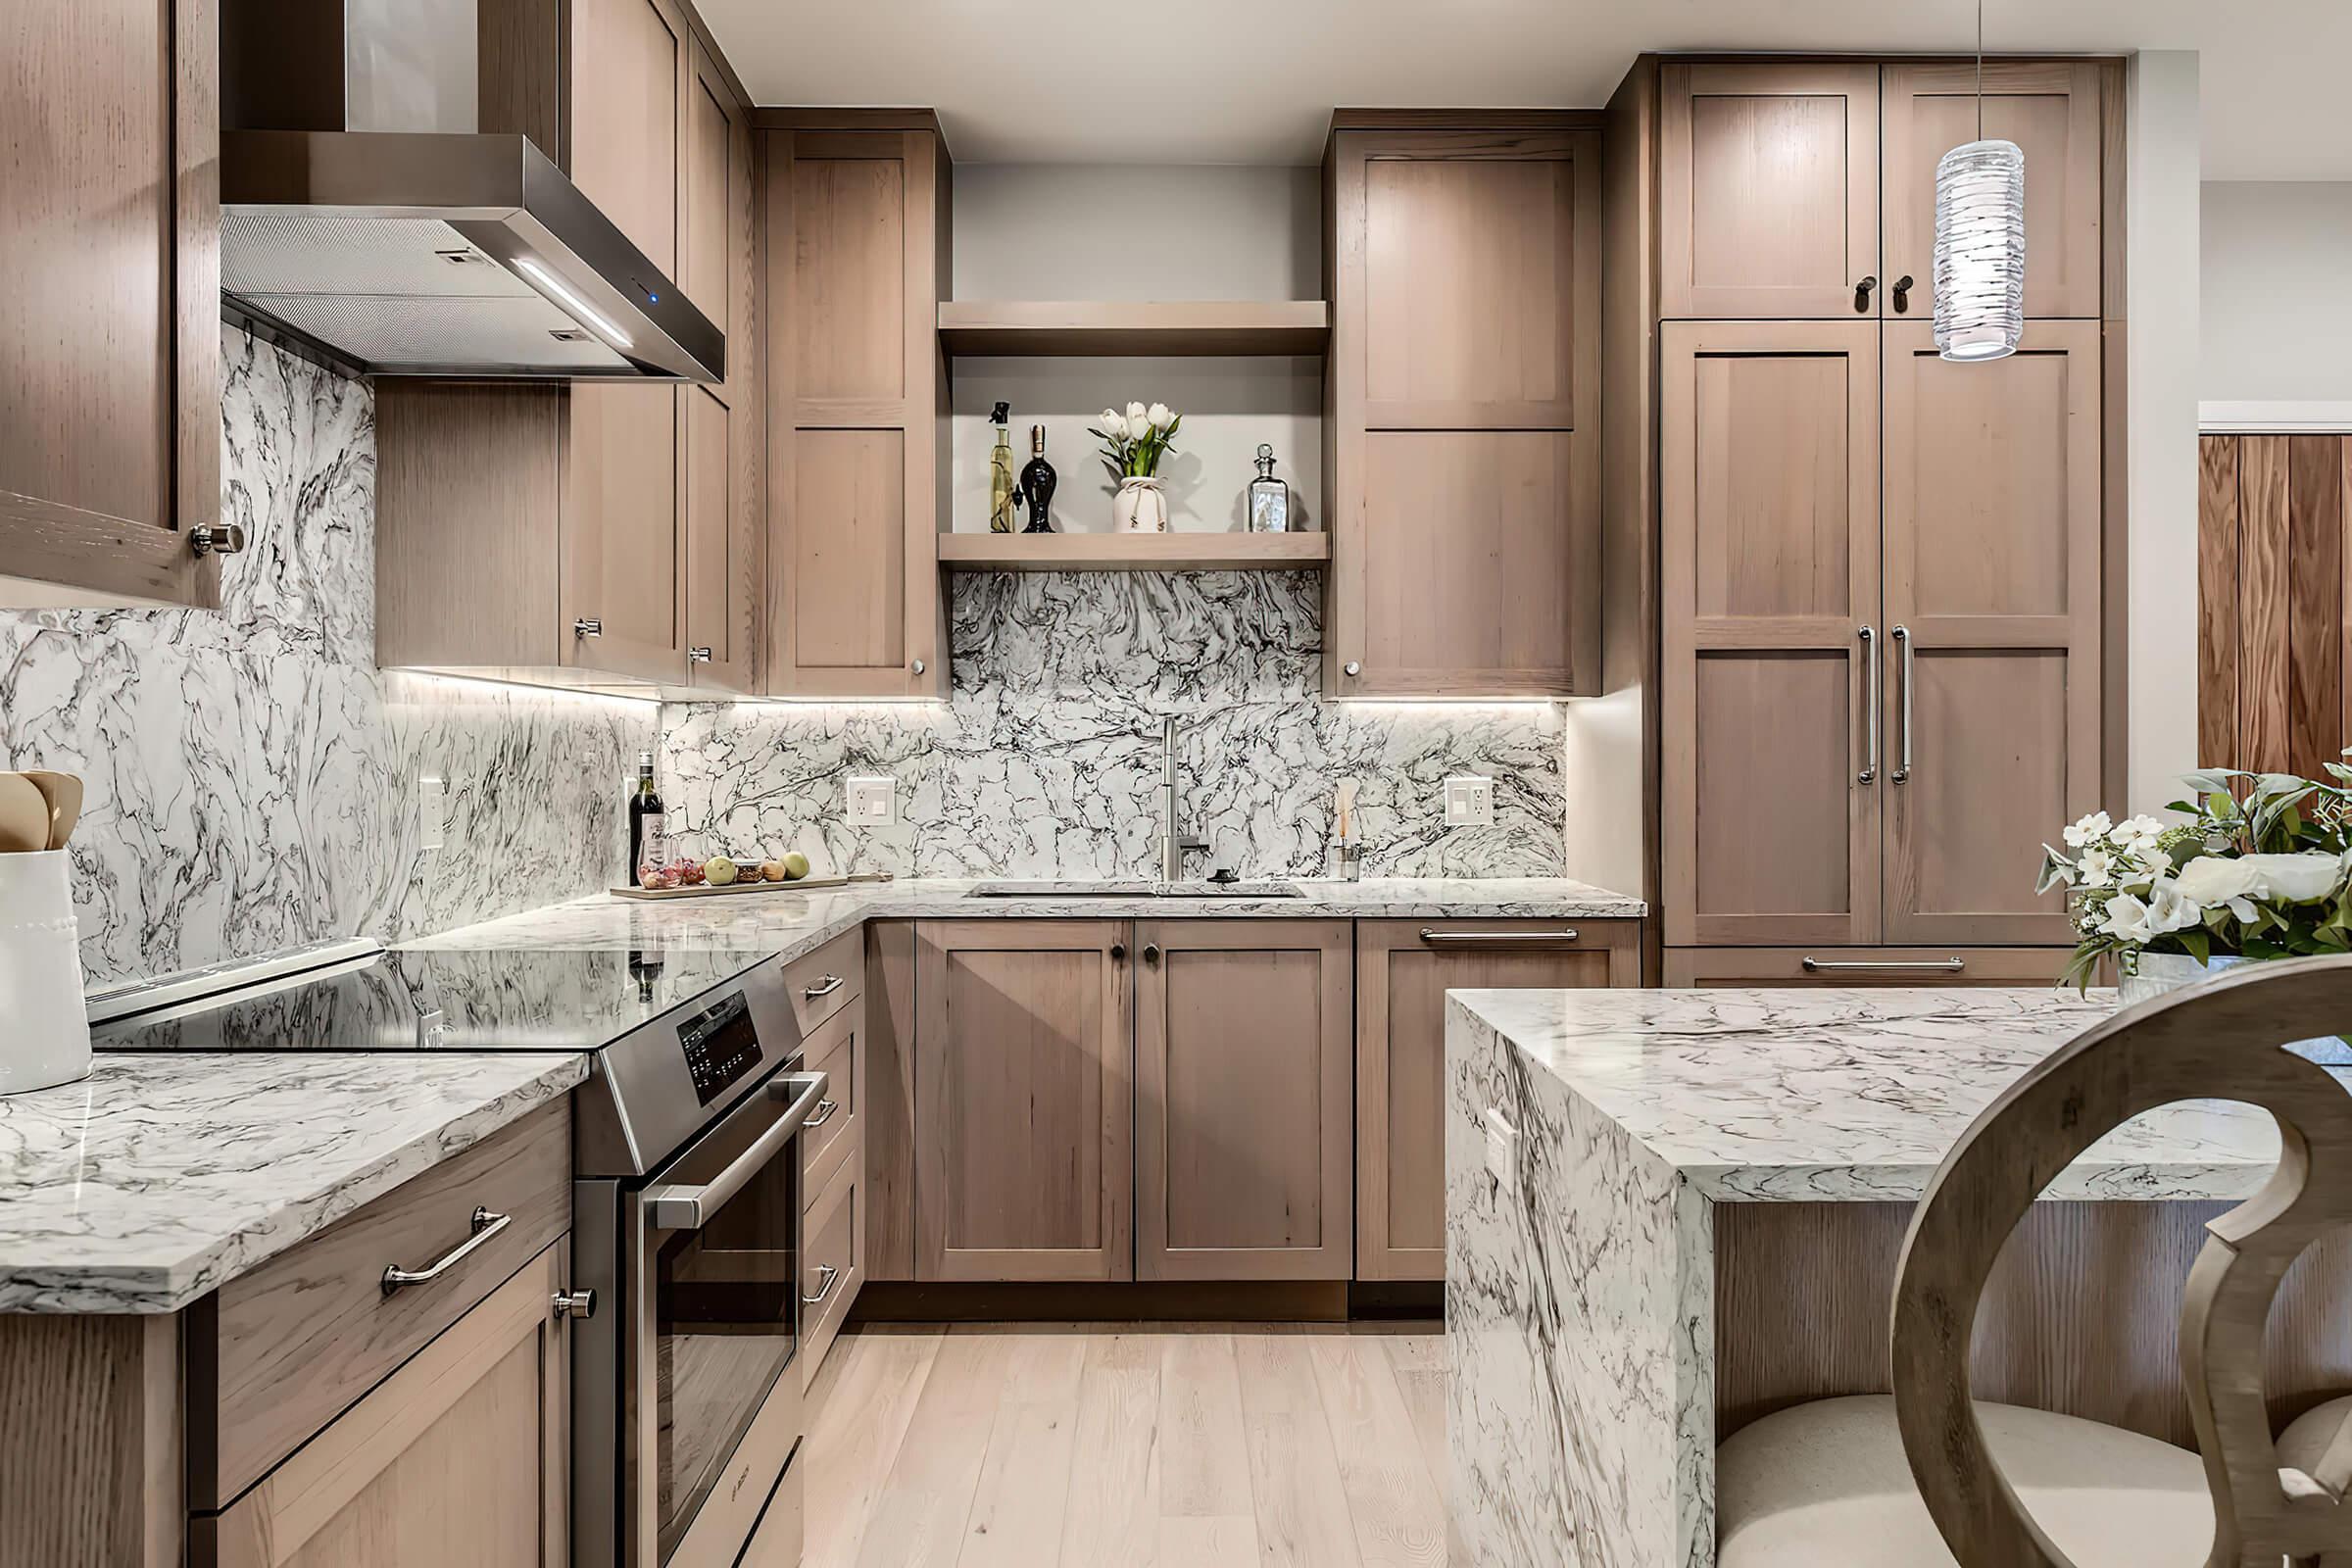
776	1544
838	1051
827	980
1708	967
278	1354
832	1268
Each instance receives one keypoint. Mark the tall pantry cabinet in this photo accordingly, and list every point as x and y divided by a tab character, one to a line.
1881	574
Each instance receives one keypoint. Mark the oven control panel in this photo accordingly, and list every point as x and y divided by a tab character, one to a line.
721	1046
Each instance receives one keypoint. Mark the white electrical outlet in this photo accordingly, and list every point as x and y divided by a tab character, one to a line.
1470	802
1502	1151
874	801
432	810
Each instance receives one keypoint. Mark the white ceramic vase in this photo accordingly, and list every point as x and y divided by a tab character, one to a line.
47	1038
1139	506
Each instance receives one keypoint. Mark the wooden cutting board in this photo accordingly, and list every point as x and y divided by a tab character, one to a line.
703	890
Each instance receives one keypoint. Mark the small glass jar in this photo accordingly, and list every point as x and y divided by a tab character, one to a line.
1269	497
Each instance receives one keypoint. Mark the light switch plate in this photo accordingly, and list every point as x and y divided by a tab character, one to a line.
874	801
432	810
1502	1151
1470	802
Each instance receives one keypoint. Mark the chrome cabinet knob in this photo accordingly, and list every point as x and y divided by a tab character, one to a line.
697	655
223	538
1151	953
1902	293
917	666
575	1303
588	626
1862	293
1352	667
1118	952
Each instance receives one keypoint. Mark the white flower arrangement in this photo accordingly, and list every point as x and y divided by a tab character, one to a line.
1134	442
2262	877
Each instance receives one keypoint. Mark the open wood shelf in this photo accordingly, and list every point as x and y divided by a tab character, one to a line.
1133	552
1155	326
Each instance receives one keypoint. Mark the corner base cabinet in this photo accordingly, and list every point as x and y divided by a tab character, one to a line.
1403	969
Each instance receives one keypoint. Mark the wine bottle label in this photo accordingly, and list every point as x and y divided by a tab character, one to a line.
653	847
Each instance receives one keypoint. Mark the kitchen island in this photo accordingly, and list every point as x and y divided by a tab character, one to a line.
1670	1212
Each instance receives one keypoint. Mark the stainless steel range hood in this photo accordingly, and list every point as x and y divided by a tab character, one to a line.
363	209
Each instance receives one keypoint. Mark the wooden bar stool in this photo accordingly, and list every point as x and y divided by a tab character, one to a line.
1928	1476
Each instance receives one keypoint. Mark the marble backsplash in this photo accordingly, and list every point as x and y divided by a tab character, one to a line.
251	775
1046	759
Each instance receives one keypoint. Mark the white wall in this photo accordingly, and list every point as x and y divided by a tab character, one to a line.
1057	231
2162	389
2277	323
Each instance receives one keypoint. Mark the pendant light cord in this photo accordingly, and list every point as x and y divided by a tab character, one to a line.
1980	70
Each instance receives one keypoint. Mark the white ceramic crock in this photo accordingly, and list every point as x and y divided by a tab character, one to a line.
44	1033
1139	506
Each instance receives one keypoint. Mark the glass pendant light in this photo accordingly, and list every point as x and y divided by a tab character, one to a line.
1981	240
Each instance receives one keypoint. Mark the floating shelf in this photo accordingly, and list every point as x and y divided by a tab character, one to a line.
1165	328
1133	552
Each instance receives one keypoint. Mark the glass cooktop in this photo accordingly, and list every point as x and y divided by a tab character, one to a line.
477	1000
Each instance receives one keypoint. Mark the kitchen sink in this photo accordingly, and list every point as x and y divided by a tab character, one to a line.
1135	890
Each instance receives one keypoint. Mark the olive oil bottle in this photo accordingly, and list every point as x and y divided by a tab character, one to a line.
1000	471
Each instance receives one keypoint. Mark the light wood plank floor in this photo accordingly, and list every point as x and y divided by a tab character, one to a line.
1311	1445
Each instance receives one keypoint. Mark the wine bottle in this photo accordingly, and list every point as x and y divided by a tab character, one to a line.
1038	480
649	823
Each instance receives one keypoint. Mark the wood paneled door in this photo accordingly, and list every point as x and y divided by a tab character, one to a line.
2273	644
1024	1101
1463	418
2051	110
110	326
1245	1112
1769	191
854	244
1403	969
1770	581
1992	523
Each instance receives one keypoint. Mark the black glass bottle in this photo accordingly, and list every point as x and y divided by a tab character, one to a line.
1038	480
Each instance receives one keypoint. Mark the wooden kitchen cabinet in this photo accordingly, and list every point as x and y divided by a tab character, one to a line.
2052	109
1768	202
1244	1117
1993	612
600	531
1746	968
856	245
110	409
1462	415
464	1454
1024	1104
1770	588
1403	969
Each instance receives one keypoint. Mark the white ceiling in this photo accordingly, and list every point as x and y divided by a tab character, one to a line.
1228	82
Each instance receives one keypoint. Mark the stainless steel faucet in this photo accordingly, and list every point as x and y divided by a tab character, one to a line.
1173	840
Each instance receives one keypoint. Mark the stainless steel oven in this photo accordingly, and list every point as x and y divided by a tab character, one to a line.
687	1408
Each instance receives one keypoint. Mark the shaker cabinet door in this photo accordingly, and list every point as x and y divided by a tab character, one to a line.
1992	603
2051	110
1245	1111
110	326
1768	178
622	535
1770	595
1024	1101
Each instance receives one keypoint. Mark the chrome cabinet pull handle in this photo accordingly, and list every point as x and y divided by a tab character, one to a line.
823	987
697	655
1565	934
690	1208
588	626
1903	689
827	1277
575	1303
1902	294
1862	292
217	538
485	1227
822	1115
1815	965
1870	707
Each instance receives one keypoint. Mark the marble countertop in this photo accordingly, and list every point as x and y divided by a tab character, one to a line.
1797	1096
156	1178
792	923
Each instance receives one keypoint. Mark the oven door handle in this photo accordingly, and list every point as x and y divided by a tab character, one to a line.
689	1209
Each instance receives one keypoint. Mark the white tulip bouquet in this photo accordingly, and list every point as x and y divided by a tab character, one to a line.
1134	442
2264	876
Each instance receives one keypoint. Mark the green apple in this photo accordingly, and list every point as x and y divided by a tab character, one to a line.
796	865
